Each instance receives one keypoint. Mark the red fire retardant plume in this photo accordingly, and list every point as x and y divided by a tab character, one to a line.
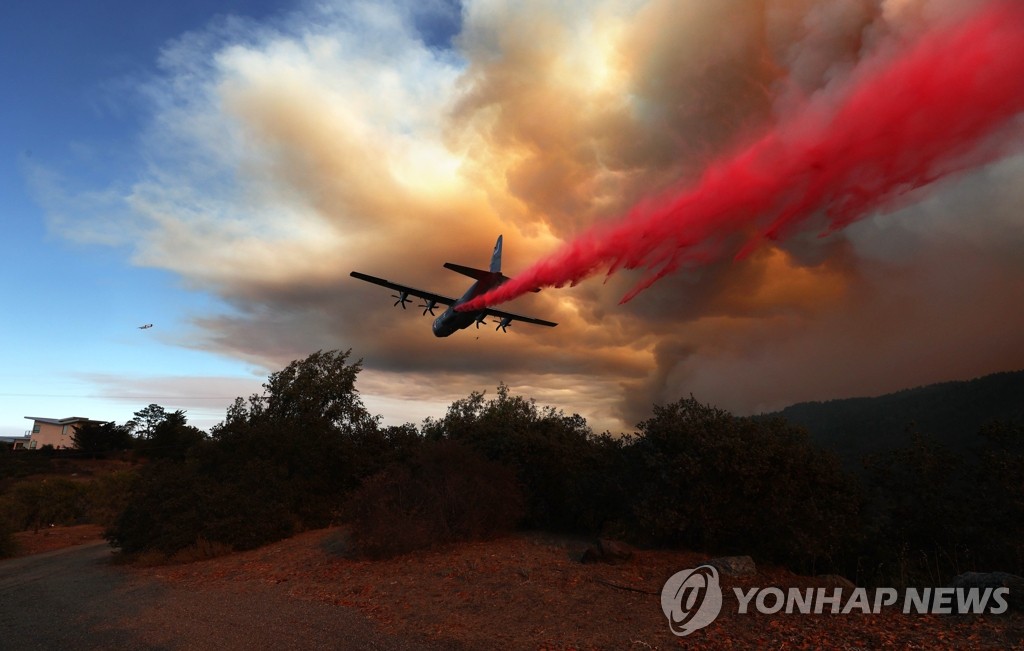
944	104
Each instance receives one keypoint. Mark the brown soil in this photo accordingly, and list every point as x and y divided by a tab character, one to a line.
528	592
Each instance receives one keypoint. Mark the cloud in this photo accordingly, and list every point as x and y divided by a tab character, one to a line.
204	398
377	137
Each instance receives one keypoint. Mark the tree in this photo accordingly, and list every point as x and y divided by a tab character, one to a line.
319	389
708	480
97	439
556	457
935	512
280	462
146	420
171	438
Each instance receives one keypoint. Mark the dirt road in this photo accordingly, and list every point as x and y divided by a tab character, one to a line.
75	599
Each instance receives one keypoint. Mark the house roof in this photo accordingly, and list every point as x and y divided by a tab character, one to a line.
64	421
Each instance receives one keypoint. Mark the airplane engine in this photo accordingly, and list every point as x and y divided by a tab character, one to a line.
403	298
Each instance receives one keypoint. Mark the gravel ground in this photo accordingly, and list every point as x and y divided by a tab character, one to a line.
76	599
523	592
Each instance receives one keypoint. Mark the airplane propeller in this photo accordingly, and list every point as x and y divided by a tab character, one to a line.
428	306
504	323
403	298
480	319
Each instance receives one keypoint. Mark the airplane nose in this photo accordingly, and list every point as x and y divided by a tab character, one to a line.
441	329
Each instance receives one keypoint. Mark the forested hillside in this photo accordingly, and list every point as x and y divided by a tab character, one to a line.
950	414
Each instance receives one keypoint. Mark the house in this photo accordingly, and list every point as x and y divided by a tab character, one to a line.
15	442
56	431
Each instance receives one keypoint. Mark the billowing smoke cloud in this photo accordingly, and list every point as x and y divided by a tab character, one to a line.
900	124
389	139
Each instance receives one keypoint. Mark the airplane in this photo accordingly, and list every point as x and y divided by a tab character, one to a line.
451	320
147	326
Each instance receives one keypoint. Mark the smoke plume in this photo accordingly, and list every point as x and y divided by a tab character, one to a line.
903	120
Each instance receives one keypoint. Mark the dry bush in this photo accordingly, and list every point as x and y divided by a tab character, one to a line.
8	546
202	550
444	493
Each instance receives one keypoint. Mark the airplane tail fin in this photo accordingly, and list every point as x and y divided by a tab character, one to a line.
480	274
496	257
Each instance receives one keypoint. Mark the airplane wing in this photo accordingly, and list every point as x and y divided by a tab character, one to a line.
445	300
412	291
515	317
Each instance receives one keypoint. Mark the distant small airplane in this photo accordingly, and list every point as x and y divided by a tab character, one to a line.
451	320
143	327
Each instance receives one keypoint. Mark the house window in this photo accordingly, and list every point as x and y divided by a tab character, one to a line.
64	430
32	445
35	428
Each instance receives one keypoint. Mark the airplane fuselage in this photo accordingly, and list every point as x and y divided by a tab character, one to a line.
452	321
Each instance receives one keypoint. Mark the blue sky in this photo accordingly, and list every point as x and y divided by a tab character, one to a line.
71	310
218	168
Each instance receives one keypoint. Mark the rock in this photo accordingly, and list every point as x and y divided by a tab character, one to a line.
734	565
614	552
836	581
982	580
608	551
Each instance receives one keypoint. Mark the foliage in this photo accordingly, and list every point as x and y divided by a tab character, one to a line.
934	513
146	421
318	391
15	464
99	439
33	504
951	413
562	467
54	499
280	462
998	492
306	452
707	480
107	496
176	504
170	438
8	546
444	493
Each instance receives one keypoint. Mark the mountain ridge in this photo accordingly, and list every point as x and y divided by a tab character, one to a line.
950	413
